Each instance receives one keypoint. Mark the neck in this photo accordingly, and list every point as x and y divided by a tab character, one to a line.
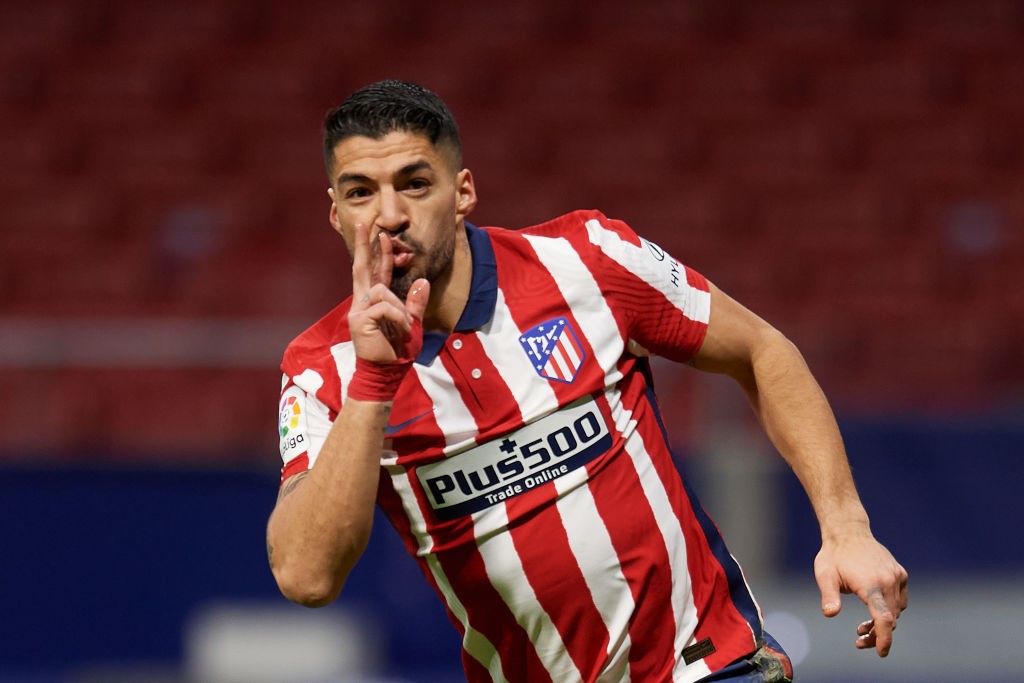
450	292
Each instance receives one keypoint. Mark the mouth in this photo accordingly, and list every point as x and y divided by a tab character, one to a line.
401	254
402	259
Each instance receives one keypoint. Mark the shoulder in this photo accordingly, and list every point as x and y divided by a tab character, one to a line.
585	228
313	348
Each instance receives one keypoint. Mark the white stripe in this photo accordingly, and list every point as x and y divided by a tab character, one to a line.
505	570
453	418
345	361
455	422
683	608
317	414
662	272
597	559
318	424
473	642
577	285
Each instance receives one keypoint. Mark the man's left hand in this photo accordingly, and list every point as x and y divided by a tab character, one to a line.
857	563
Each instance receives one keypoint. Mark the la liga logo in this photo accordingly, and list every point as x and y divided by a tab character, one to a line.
290	413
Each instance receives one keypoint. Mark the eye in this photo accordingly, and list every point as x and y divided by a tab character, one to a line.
357	193
417	185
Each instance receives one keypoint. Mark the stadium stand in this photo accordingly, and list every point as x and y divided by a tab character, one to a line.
849	169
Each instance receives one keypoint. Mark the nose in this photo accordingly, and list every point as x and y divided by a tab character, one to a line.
391	215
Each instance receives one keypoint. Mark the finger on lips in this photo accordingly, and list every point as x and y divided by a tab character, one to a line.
386	261
361	274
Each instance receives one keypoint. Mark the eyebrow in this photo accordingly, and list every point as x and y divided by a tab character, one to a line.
406	170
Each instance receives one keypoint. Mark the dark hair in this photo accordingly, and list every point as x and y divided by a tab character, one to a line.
388	106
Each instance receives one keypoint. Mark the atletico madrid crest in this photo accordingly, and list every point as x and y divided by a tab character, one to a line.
554	350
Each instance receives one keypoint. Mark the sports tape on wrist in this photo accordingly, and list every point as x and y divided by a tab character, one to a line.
377	381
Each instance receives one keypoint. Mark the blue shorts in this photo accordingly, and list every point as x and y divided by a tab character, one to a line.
769	664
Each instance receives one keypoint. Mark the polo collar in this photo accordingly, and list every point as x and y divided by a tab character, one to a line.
483	294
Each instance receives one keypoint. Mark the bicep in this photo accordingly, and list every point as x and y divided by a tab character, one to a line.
734	334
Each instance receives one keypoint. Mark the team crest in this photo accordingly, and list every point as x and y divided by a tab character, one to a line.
554	350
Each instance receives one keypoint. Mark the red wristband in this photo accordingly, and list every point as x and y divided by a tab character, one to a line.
377	381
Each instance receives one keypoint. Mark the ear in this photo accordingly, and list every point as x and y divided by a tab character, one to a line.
333	216
465	190
336	221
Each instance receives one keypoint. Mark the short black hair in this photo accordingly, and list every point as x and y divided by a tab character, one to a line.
388	106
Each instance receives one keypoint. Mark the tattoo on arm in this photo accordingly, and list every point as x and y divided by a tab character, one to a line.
290	485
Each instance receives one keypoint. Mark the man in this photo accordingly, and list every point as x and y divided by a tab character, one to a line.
489	389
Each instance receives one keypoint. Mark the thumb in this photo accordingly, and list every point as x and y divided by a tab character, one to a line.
831	602
416	300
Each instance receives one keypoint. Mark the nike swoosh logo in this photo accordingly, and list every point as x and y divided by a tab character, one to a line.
391	430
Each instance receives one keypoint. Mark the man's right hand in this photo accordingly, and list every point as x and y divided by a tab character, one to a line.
380	323
317	532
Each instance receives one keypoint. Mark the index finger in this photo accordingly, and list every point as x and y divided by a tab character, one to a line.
884	617
361	262
386	263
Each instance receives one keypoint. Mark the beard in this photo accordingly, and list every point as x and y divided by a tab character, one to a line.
429	264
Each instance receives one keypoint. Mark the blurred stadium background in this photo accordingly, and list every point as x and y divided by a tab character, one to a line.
853	170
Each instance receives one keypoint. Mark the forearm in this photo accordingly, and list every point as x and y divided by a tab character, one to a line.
320	527
800	423
798	420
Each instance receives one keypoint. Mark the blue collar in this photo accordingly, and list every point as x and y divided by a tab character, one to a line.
483	294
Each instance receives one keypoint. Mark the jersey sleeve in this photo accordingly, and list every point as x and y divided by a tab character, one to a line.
311	390
303	422
664	304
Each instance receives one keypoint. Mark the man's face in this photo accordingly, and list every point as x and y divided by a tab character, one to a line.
405	187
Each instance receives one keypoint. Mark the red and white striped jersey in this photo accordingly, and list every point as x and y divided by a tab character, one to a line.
526	467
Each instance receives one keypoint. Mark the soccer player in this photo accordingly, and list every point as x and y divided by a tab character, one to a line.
489	389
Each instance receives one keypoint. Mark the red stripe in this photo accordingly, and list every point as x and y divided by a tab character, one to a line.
645	563
565	357
552	571
568	341
488	614
718	617
474	670
419	440
553	369
297	464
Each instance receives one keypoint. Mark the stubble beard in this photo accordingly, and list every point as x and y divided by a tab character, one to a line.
433	263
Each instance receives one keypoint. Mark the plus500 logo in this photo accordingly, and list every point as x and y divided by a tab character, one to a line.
504	468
